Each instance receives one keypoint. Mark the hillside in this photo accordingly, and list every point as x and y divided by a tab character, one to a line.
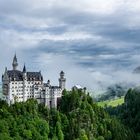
113	102
129	112
0	91
114	91
77	118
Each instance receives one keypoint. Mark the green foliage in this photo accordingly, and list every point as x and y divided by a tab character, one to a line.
77	118
83	136
113	103
129	112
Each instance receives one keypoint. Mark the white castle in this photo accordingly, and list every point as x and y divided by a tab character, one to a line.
19	86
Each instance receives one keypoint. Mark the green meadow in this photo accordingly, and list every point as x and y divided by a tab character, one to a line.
113	102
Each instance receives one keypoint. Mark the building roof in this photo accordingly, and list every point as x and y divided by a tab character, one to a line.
78	87
34	76
24	68
55	87
16	75
46	85
15	60
62	72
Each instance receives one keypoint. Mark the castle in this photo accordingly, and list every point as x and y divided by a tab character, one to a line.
19	86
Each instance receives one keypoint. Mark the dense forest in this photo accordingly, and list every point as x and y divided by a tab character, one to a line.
129	112
77	118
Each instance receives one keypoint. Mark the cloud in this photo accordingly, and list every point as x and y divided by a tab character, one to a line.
95	42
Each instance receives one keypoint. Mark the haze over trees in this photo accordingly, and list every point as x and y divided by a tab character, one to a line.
114	91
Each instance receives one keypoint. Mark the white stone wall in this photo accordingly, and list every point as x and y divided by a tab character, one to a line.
16	91
55	93
47	97
20	91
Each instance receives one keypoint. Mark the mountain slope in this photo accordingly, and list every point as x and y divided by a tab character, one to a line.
77	118
113	102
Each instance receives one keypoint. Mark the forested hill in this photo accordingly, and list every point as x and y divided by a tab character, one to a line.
0	90
114	91
129	112
77	118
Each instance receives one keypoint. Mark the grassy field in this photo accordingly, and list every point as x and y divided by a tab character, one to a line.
113	103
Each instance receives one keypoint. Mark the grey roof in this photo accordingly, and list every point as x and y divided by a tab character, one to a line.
62	72
34	76
24	68
46	85
15	60
18	75
55	87
15	74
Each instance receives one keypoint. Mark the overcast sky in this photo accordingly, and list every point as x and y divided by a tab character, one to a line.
96	42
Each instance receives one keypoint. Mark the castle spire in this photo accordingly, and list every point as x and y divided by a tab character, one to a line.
24	68
15	63
5	69
5	76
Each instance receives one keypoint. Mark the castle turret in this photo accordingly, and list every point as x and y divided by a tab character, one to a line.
5	81
24	83
24	73
5	75
62	80
24	69
15	63
48	83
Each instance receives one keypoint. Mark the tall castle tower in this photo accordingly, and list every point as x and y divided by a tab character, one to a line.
62	80
15	63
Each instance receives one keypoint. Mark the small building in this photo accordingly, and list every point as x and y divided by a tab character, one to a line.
79	87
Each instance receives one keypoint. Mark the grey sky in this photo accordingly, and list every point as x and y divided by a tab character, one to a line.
95	42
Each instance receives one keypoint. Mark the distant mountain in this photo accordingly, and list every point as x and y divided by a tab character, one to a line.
114	91
137	70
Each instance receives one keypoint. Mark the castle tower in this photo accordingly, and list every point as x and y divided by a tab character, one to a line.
5	76
24	83
62	80
5	80
48	83
5	85
15	63
24	69
24	73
